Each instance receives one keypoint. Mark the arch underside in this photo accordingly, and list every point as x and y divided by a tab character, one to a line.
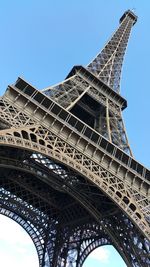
71	189
64	213
25	129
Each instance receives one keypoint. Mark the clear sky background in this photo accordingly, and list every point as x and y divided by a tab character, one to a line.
42	40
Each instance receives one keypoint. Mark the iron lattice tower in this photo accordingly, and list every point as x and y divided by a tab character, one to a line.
67	173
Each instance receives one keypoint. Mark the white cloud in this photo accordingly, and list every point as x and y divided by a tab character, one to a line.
101	254
16	246
12	232
15	260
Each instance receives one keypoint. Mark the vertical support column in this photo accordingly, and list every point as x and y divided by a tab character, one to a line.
107	120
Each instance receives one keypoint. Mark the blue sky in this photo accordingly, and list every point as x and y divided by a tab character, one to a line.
42	40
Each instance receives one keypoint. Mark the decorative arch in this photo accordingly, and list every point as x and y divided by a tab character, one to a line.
93	244
62	153
74	193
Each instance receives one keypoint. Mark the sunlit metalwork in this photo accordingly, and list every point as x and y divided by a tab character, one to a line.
67	172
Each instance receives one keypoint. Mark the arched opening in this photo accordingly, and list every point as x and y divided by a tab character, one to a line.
104	256
16	246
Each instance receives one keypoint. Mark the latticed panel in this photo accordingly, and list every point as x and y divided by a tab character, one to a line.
67	92
77	244
117	131
114	183
34	137
43	140
23	212
11	116
106	67
108	63
109	124
74	159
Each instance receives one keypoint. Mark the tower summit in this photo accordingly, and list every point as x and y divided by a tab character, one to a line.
130	14
67	174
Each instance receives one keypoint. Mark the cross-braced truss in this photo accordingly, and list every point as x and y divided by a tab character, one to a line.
66	169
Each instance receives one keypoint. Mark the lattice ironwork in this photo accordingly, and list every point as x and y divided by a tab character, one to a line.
108	64
67	174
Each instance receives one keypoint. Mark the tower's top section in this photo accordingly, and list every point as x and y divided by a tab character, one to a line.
130	14
107	65
105	68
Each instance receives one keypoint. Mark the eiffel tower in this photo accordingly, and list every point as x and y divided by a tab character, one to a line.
67	173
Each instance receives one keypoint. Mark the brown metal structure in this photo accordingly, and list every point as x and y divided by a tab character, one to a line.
67	173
